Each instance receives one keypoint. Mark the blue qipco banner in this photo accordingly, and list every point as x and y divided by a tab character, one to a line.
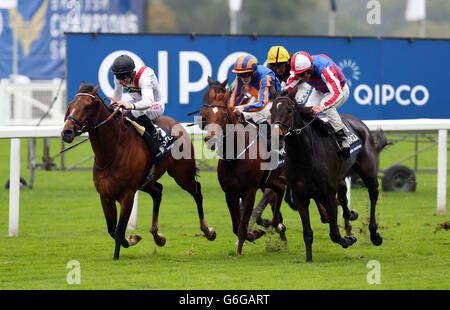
39	27
388	78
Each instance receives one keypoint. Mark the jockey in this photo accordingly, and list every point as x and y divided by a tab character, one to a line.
278	60
146	104
254	82
330	89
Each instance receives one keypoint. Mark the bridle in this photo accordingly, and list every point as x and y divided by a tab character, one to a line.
83	127
290	129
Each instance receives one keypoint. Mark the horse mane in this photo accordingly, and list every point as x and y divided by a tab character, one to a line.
307	114
87	88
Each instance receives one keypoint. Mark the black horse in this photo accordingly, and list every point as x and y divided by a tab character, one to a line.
316	169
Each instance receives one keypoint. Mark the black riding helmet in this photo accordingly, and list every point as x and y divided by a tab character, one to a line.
122	67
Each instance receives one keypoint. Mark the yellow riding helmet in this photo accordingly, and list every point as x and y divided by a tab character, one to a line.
277	54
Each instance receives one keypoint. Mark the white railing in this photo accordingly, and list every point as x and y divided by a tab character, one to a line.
15	133
26	102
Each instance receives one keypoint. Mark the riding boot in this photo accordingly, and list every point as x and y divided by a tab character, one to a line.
151	136
342	139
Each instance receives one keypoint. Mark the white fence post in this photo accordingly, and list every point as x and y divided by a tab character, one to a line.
442	172
14	188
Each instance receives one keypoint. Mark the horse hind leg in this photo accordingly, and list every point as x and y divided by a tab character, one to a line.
186	180
331	207
155	191
375	236
368	173
209	232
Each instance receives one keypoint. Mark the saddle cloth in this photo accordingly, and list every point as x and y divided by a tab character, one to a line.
352	138
167	140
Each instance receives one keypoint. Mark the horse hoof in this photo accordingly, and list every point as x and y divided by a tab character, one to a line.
133	239
350	240
160	240
280	228
376	239
210	234
353	215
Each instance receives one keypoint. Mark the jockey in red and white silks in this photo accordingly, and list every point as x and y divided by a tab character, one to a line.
329	87
145	93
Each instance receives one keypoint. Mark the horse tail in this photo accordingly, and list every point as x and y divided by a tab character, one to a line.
382	141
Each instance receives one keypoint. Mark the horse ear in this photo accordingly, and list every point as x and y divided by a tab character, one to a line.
293	93
81	85
94	91
225	83
210	81
275	94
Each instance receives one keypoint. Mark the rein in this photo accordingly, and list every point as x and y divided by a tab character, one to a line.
84	127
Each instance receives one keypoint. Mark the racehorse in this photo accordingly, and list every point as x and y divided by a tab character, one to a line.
122	163
315	168
240	176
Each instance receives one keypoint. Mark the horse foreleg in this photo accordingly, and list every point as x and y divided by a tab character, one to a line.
233	207
126	205
110	211
259	209
277	221
247	201
331	208
155	191
302	205
346	213
185	178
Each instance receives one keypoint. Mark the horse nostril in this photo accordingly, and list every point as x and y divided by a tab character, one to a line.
67	132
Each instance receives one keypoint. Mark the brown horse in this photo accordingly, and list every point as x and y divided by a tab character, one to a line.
122	163
315	169
241	175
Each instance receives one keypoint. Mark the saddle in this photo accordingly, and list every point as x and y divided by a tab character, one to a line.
352	138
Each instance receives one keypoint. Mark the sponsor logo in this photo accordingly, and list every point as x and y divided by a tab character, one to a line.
350	70
386	93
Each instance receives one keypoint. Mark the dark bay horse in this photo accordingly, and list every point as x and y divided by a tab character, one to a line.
241	175
122	163
315	169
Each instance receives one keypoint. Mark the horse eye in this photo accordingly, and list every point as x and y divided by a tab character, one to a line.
289	110
88	107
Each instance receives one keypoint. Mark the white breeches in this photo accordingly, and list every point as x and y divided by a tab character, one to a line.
314	97
153	112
